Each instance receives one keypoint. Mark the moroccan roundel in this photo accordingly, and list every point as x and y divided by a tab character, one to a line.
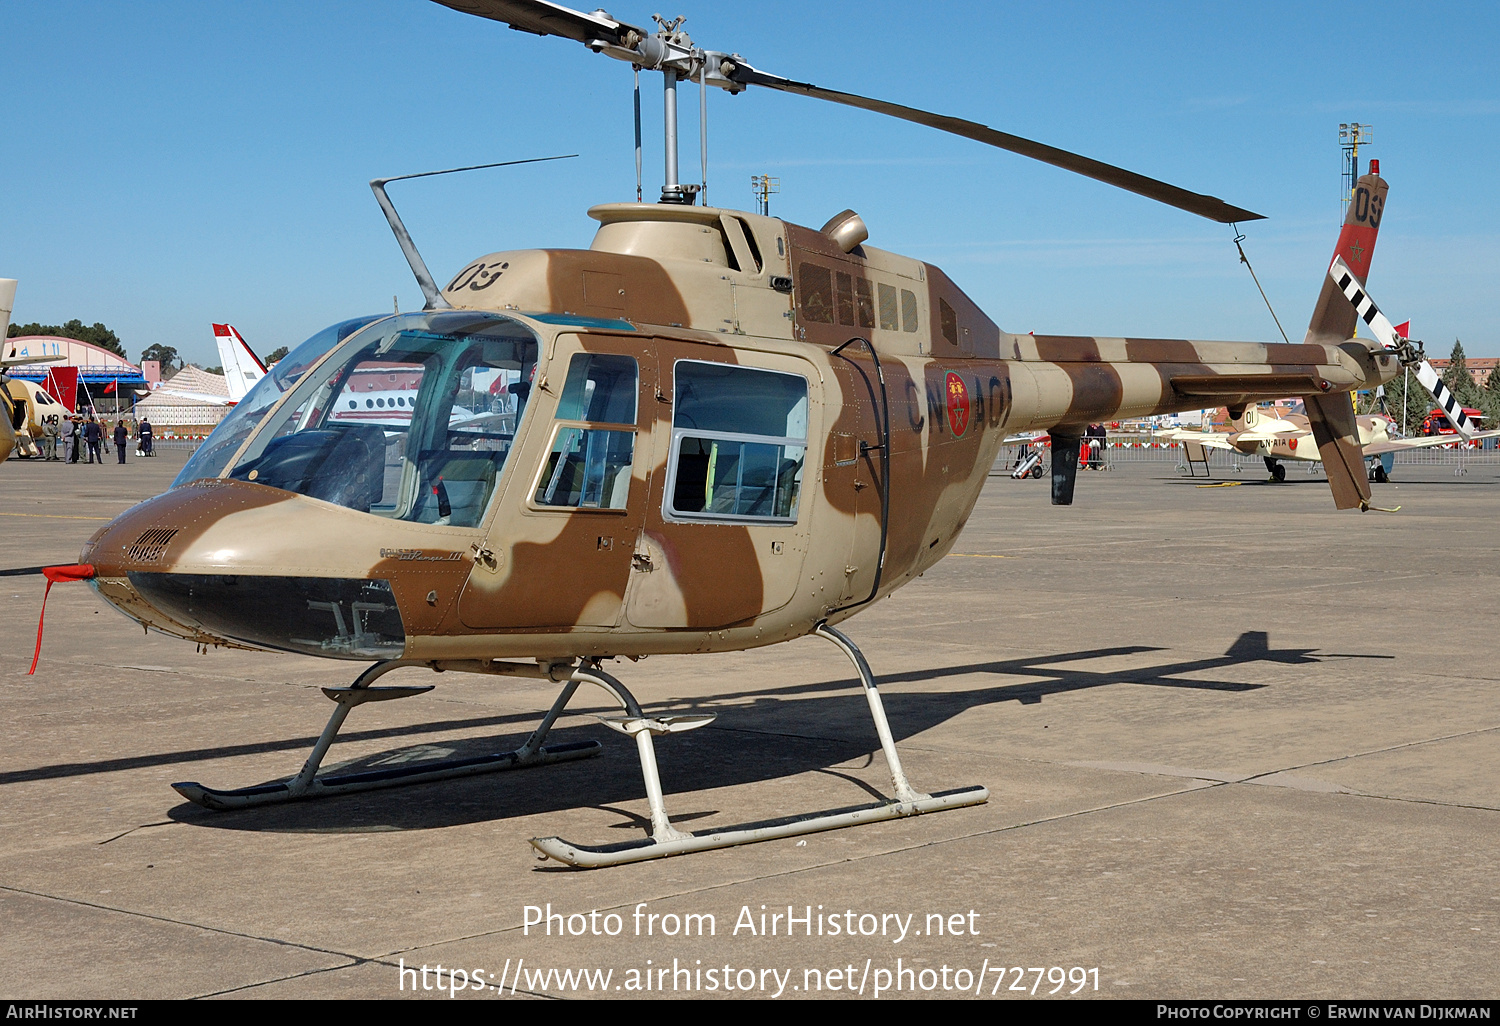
958	403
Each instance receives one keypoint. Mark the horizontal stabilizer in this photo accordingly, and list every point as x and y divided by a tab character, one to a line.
1210	386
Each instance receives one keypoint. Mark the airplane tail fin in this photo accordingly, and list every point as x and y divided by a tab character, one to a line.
242	368
1335	321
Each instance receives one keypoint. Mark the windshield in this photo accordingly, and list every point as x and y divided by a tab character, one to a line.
212	455
412	418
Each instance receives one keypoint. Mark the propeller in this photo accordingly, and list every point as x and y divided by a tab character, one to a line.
1410	352
670	49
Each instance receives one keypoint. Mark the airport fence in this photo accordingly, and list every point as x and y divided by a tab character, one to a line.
1149	450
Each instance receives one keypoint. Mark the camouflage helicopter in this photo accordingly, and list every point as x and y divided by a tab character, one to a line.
710	431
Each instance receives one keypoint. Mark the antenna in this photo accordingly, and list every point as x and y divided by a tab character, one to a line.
764	186
430	291
1351	137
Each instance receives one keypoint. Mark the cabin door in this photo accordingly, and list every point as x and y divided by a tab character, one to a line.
726	523
558	550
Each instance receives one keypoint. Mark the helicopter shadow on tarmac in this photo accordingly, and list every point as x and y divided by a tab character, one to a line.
762	735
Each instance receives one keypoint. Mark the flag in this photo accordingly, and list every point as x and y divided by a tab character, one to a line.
62	385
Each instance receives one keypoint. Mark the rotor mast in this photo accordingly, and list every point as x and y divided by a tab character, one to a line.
670	50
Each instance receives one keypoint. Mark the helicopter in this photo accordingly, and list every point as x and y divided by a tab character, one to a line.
711	431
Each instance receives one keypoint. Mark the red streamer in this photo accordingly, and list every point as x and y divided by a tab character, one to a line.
55	574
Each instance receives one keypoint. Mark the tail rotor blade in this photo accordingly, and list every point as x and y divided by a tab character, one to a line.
1452	408
1391	338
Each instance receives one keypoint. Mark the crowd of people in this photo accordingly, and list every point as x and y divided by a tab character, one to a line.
85	438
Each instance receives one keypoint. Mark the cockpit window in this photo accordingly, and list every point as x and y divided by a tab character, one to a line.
413	419
593	443
214	454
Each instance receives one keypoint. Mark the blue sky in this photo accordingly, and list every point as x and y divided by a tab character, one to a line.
167	165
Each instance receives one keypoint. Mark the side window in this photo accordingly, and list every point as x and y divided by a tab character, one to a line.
908	310
865	302
846	298
815	291
739	439
949	321
593	441
889	320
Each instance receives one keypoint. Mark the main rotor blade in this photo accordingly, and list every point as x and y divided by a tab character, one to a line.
545	18
1210	207
548	19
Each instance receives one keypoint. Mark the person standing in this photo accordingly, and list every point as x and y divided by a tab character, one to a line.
72	439
144	434
122	439
93	436
50	431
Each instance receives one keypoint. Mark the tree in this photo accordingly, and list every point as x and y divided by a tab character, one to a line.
1458	378
1407	402
96	333
166	355
1489	399
276	355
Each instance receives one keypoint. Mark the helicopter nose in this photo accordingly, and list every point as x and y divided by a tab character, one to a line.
233	562
160	533
152	537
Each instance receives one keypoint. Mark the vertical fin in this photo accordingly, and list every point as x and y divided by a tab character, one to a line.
1065	448
1331	418
7	303
242	368
1333	320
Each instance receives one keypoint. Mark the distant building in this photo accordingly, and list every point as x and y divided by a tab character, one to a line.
173	406
1479	367
104	378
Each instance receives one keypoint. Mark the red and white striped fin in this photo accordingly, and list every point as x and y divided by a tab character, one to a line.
242	368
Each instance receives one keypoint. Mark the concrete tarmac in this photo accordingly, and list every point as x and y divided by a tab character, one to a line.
1238	744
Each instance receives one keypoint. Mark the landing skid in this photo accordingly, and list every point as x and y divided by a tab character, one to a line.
307	784
665	839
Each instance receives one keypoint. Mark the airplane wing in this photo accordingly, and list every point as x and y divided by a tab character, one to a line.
202	397
1403	444
1211	439
19	361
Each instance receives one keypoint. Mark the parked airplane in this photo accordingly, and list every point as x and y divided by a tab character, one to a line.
30	407
242	369
1274	439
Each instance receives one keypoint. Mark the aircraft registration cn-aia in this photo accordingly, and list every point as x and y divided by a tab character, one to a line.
710	431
